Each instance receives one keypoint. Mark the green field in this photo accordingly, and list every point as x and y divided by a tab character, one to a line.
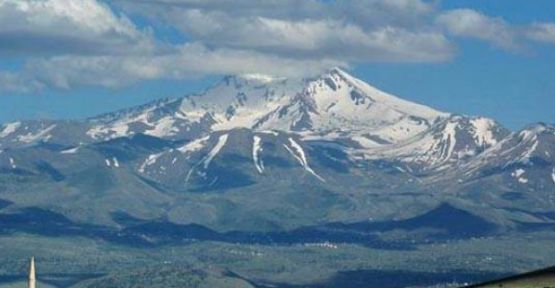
82	262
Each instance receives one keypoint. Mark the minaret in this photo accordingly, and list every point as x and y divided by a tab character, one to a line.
32	279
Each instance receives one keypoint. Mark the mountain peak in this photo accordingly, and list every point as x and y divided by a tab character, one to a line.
332	73
361	93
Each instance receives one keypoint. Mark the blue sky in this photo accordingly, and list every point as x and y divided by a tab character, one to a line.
74	59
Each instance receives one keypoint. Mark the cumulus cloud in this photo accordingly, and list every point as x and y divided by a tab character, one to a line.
71	43
46	27
67	43
470	23
364	12
371	30
188	60
495	30
318	38
542	32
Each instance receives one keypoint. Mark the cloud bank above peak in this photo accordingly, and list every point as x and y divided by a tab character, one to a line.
62	44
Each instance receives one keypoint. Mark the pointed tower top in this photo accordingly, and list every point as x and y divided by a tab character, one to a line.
32	278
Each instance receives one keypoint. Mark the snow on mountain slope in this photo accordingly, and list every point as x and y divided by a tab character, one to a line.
449	141
256	150
521	161
38	136
161	118
333	103
219	145
338	103
334	107
239	101
9	128
297	151
62	132
233	157
532	146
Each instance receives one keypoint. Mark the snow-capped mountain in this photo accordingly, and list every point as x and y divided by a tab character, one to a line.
333	104
335	107
300	141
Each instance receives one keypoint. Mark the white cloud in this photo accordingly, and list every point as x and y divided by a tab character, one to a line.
188	60
361	12
471	23
379	13
317	38
68	43
88	44
354	31
542	32
42	27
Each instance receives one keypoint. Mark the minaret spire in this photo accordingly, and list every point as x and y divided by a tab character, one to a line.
32	278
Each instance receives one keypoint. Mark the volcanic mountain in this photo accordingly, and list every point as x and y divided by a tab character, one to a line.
257	152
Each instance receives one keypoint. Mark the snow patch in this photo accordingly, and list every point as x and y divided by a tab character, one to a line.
150	160
70	151
221	142
271	132
164	127
327	245
518	173
41	135
530	137
193	146
112	162
301	157
527	155
483	131
450	136
256	149
120	129
116	162
208	158
9	129
12	163
553	175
